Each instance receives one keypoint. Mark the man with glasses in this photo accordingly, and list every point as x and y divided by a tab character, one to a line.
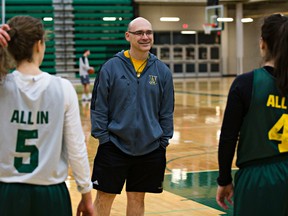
132	117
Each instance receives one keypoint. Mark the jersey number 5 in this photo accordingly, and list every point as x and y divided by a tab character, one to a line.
279	132
22	136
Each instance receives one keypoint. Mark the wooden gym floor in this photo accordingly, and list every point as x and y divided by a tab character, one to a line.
190	180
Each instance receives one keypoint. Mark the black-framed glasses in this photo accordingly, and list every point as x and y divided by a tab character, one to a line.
141	33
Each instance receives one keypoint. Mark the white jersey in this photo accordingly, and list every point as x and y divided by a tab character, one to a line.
41	132
83	66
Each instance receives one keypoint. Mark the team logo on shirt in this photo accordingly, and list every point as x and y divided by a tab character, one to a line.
152	80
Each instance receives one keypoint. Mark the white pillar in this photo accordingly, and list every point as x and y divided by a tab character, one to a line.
239	38
3	11
224	46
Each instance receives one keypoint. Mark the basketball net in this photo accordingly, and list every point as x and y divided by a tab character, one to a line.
207	28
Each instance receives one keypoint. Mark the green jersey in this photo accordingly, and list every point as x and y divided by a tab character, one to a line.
267	117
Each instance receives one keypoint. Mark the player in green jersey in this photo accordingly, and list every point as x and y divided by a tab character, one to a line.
255	123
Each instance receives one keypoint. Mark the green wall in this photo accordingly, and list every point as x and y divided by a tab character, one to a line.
102	38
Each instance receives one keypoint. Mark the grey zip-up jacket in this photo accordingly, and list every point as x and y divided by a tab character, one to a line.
136	114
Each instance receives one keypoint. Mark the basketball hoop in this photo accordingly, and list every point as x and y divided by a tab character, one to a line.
207	28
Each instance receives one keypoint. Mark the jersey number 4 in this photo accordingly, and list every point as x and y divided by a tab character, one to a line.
28	166
279	132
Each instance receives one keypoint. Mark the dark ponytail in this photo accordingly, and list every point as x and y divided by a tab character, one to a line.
274	33
281	58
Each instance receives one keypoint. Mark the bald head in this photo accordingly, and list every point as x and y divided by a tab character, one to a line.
140	36
139	21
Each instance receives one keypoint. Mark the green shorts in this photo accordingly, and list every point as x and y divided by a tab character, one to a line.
34	200
262	189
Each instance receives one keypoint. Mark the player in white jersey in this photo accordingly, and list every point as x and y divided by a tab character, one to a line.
40	130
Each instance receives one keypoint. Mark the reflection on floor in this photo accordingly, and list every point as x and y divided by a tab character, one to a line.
198	186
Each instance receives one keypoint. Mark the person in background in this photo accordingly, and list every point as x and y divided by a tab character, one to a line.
84	68
255	121
39	117
132	110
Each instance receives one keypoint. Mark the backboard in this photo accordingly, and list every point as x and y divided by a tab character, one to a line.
211	14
